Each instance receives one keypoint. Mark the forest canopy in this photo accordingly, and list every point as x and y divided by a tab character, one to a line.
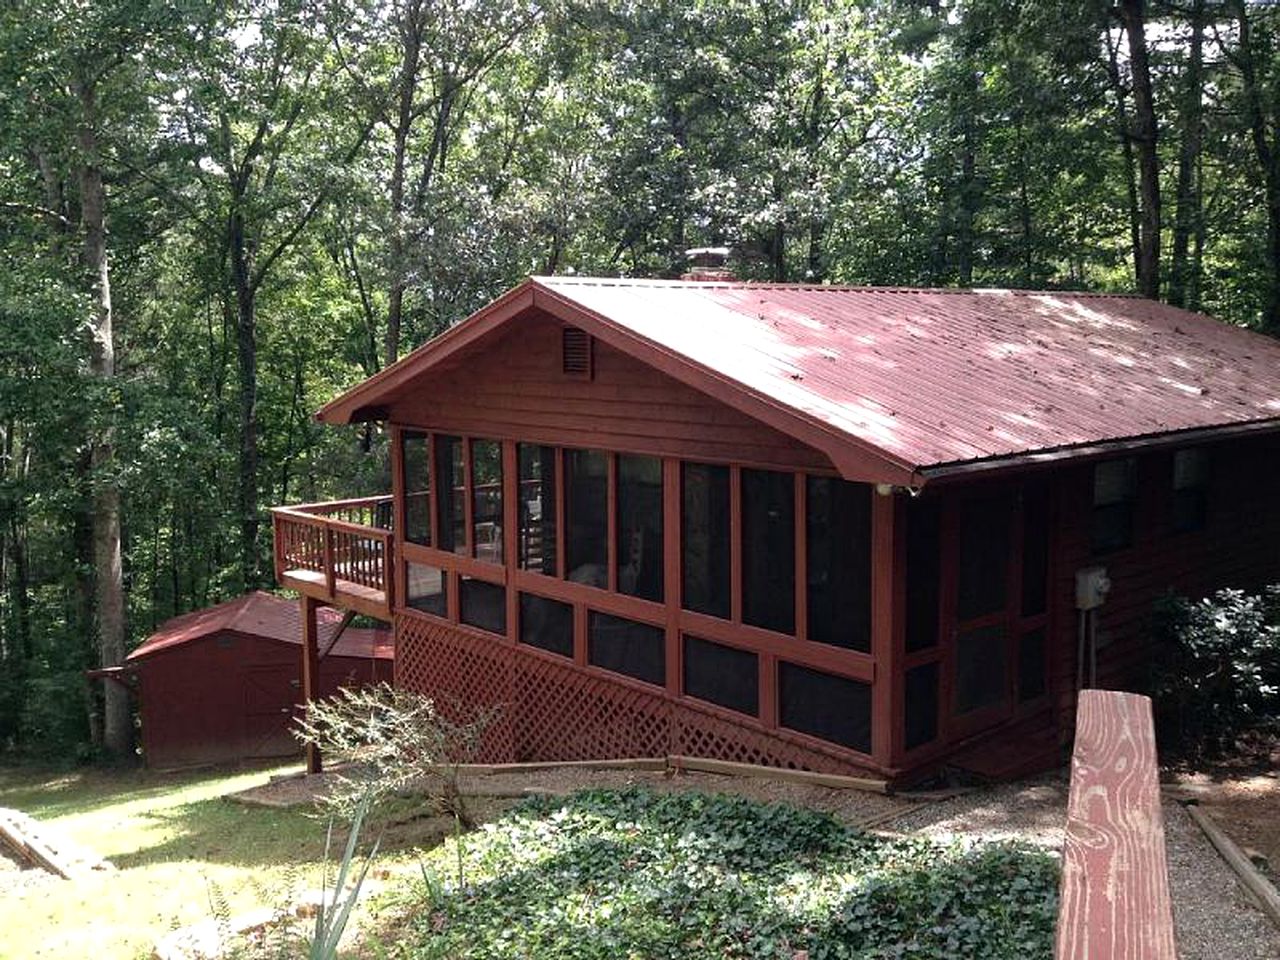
217	214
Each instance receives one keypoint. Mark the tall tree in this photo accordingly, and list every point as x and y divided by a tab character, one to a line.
1144	133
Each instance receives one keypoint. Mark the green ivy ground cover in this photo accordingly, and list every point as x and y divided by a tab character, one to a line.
633	874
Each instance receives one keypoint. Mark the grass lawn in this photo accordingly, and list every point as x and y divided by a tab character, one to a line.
174	841
636	875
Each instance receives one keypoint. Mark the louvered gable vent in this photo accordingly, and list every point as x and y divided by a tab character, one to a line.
575	354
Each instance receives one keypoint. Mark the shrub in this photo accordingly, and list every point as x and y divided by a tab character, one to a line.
1217	670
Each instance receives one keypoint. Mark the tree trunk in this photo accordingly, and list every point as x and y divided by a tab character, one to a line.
247	365
1187	210
1126	150
411	36
1144	135
117	734
1260	126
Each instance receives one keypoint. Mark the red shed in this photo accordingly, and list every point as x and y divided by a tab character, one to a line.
224	683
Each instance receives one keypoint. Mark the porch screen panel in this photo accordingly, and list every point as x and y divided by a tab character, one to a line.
985	526
722	675
981	668
1035	551
628	647
482	604
416	482
825	705
1031	665
586	486
639	549
921	707
546	624
838	532
924	554
769	550
451	495
427	589
486	500
537	541
704	538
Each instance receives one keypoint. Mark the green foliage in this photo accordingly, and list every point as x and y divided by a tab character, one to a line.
1217	674
633	873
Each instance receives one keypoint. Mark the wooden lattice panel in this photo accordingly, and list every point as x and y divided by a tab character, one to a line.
552	710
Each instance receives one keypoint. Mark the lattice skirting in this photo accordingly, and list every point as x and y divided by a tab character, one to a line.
553	710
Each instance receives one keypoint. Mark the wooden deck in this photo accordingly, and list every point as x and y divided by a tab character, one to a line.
338	552
1115	880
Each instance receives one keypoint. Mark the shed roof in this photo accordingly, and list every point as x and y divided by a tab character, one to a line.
261	614
902	384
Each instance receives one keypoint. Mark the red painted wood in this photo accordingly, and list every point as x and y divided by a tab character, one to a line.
1115	880
310	671
885	710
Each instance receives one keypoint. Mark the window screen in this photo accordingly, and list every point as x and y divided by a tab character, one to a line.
486	499
824	705
482	604
451	495
1115	490
537	508
722	675
921	705
983	575
640	527
838	533
587	506
1035	550
769	550
1190	489
980	669
426	588
923	559
704	538
547	624
625	646
416	481
1031	666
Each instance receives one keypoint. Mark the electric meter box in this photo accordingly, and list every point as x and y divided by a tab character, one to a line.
1092	587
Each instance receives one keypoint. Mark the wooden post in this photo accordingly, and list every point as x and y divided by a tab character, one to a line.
886	734
310	670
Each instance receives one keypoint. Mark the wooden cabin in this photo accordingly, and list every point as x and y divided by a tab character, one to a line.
223	684
865	531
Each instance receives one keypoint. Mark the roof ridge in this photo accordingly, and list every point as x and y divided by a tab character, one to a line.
584	281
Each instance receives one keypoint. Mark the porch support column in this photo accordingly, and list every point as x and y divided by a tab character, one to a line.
888	530
310	670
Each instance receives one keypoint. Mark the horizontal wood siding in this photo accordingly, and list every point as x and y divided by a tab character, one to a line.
1238	547
514	388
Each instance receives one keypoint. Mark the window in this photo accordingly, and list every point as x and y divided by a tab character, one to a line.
425	589
624	646
983	574
537	545
824	705
980	668
639	551
482	604
768	550
451	495
923	559
704	538
921	706
1190	489
838	534
1115	490
486	499
586	491
416	480
722	675
546	624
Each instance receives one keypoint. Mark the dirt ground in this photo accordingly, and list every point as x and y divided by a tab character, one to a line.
1247	808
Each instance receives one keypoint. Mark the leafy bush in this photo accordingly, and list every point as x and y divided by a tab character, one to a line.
634	874
1217	673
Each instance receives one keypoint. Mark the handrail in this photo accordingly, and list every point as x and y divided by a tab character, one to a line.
326	506
342	551
1115	879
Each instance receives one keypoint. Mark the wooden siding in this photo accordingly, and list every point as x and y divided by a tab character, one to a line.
514	388
1239	546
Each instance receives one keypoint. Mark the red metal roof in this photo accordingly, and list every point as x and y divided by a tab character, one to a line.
924	378
264	615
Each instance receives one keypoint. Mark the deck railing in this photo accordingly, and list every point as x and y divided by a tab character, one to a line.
1115	881
340	544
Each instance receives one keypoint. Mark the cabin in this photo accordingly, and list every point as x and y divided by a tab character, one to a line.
879	532
224	684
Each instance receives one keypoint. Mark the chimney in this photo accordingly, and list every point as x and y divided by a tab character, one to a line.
708	263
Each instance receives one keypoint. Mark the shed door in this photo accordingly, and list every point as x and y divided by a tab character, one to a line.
270	703
996	594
